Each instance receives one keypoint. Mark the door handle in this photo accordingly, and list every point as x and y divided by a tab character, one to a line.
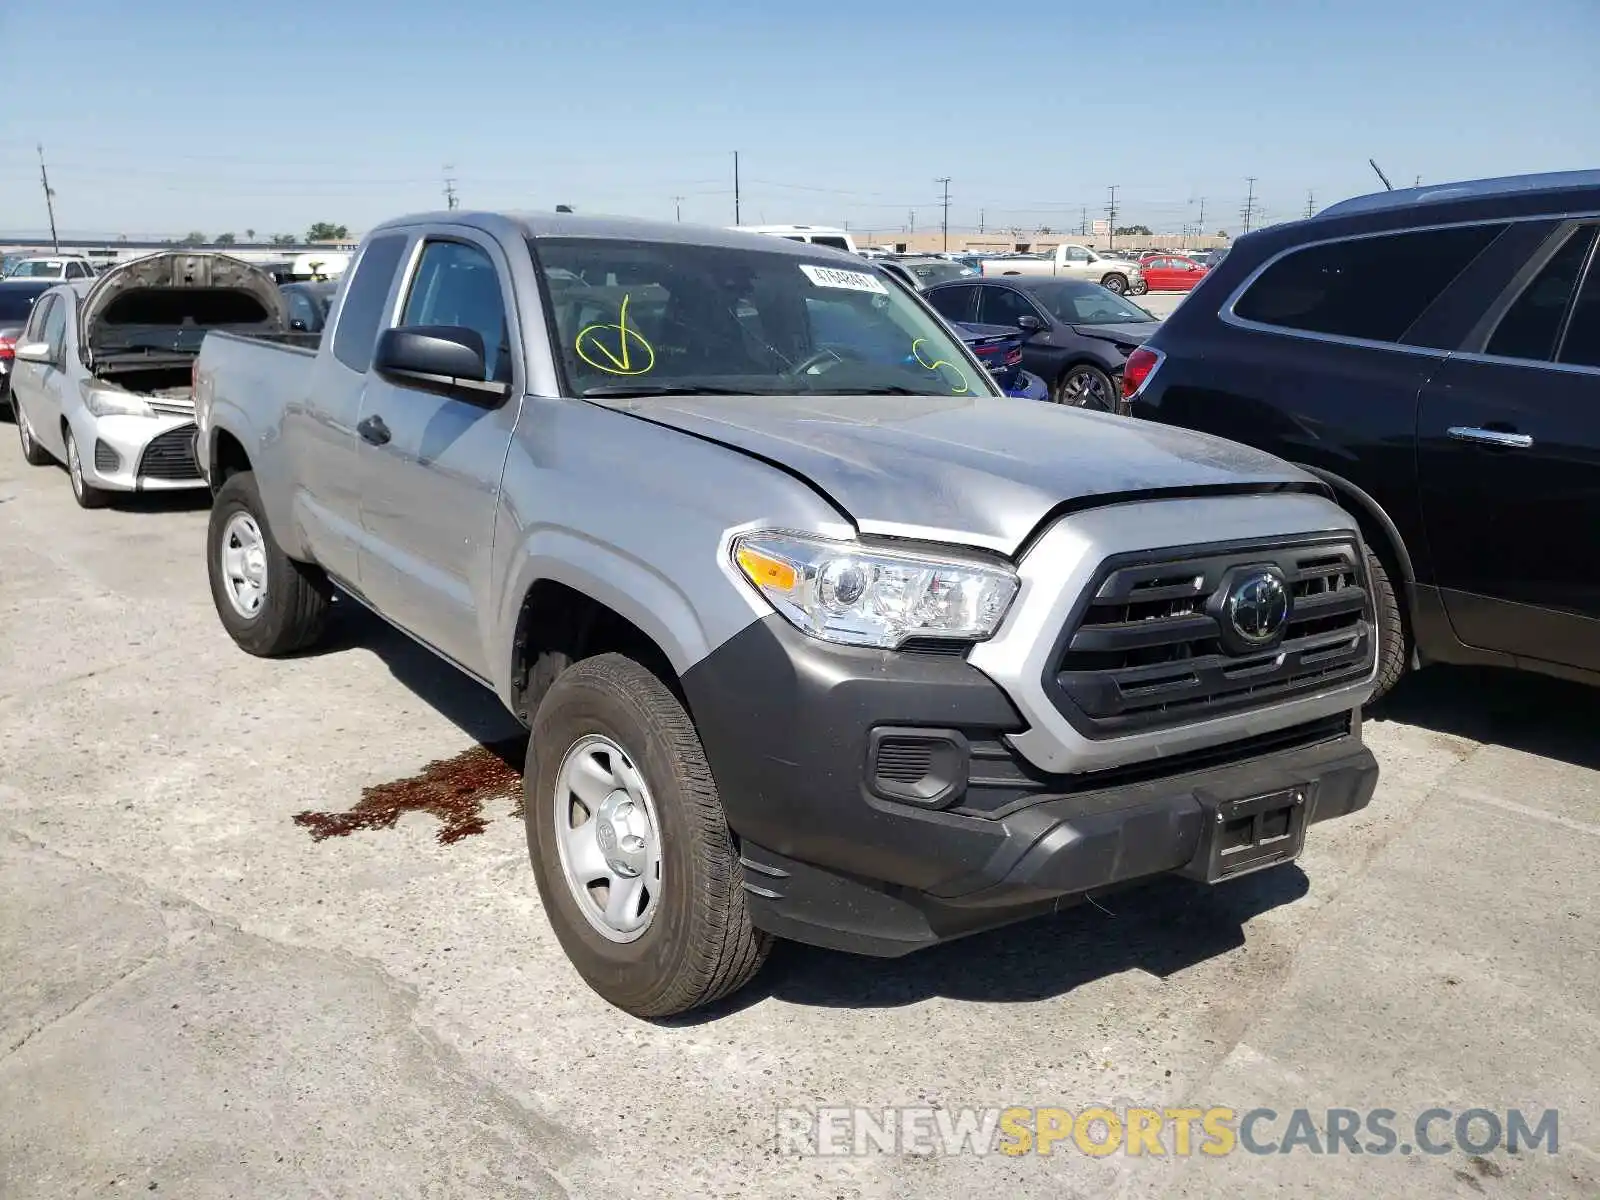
1490	437
373	430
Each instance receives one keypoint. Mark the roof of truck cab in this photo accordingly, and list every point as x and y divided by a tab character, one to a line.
575	225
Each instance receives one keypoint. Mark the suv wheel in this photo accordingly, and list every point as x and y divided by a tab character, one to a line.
1085	386
269	603
1115	283
630	847
1394	643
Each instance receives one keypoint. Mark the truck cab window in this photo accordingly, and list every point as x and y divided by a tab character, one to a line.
456	284
1077	254
363	308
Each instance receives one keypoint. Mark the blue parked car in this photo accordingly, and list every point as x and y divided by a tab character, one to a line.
999	348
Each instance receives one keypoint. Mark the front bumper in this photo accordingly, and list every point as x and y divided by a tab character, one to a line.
840	848
136	454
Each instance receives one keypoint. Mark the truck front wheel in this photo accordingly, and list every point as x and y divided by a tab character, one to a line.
1115	283
270	604
631	850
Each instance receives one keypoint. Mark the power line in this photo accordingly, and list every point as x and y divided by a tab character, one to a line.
49	200
945	223
1249	208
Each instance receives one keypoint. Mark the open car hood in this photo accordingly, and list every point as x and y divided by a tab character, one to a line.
175	296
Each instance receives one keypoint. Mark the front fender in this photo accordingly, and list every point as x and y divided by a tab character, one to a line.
631	587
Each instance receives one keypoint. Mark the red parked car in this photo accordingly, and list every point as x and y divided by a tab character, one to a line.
1171	272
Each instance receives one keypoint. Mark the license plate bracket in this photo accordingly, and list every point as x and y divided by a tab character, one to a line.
1249	834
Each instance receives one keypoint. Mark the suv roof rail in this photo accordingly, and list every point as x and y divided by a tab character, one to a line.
1465	190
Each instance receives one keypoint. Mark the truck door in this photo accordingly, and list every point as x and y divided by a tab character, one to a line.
429	464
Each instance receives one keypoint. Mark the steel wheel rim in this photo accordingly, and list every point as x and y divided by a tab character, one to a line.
1083	388
607	838
1115	285
243	559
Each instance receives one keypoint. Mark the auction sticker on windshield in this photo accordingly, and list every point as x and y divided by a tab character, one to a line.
850	281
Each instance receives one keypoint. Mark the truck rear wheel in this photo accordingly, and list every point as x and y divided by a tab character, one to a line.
630	846
1394	643
270	604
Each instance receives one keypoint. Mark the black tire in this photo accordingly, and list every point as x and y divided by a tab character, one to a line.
293	610
84	492
699	945
33	453
1084	385
1115	283
1394	641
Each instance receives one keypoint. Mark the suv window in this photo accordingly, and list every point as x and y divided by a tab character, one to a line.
1373	288
357	331
1002	306
1531	325
456	285
1581	345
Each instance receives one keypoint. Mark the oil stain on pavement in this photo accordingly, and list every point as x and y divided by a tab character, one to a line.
455	790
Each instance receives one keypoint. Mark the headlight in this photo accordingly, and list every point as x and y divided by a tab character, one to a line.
845	592
103	402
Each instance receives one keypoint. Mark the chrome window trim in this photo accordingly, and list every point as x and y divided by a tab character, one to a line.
1227	315
1061	565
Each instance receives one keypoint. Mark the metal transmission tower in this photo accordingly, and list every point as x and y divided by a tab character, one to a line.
1249	208
945	223
49	199
1311	204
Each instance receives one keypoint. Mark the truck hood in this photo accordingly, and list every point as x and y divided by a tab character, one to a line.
170	299
977	471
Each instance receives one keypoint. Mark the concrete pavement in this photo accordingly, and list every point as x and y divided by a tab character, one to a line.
197	999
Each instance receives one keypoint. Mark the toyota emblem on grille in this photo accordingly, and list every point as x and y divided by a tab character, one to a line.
1258	607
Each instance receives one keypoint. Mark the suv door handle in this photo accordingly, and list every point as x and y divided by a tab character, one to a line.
1490	437
372	429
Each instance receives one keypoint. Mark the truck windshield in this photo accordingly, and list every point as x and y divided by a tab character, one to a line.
669	318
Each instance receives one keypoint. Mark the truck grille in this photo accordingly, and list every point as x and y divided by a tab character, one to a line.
1156	646
170	456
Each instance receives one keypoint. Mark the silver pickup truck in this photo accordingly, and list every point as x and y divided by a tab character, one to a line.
818	636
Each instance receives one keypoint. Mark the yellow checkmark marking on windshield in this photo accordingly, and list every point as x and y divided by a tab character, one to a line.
592	345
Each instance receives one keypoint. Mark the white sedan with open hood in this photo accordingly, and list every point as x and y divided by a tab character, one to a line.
103	373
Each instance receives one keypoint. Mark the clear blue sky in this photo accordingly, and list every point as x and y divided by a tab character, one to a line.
189	115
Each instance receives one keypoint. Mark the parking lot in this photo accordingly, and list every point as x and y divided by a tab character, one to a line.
202	999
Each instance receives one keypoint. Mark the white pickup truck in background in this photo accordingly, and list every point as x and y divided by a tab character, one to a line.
1074	262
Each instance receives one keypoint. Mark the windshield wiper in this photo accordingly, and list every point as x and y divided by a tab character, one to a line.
624	391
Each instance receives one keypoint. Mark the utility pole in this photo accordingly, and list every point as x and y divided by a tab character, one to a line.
1202	216
736	187
1249	203
980	220
49	200
1311	204
451	201
1111	219
911	219
1084	230
1418	183
945	224
677	206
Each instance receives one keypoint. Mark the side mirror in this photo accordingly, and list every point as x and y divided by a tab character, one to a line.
34	352
1029	323
447	359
